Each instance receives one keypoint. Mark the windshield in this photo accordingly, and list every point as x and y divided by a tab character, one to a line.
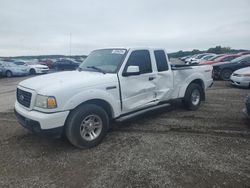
215	57
10	64
207	57
107	60
31	63
220	58
201	55
236	60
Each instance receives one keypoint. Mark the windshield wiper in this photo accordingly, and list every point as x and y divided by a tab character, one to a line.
96	68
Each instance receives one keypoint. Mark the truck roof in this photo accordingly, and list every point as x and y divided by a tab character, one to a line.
134	48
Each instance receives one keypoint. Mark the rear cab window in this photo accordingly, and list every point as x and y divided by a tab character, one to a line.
161	60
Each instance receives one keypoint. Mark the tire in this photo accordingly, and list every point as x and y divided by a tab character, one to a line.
81	130
225	74
193	97
32	71
57	68
8	74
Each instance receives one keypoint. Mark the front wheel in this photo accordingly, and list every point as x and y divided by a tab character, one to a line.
193	96
87	125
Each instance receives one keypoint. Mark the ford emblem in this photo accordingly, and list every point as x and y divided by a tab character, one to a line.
21	97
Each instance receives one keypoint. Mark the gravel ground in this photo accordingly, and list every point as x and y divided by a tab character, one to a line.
170	147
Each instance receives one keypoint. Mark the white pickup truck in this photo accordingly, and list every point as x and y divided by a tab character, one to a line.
111	84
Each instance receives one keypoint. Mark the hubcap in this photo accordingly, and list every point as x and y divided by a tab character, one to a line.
227	75
91	127
195	97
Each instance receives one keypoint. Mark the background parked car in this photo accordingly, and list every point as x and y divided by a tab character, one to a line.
47	62
224	70
204	58
196	58
215	57
66	64
244	53
10	69
185	57
241	77
224	58
34	68
191	58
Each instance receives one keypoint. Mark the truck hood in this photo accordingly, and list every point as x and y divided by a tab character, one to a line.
50	83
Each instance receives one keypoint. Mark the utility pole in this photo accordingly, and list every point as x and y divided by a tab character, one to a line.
70	45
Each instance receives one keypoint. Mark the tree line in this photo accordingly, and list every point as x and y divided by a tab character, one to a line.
216	50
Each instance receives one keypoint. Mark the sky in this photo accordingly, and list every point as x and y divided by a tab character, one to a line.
46	27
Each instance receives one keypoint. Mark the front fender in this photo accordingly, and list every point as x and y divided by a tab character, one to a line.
91	94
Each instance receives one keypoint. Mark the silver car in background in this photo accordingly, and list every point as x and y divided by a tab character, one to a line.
9	69
241	77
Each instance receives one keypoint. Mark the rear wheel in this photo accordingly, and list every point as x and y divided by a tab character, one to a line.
9	74
87	125
193	96
225	74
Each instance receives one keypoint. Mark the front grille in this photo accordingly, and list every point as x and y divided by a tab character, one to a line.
23	97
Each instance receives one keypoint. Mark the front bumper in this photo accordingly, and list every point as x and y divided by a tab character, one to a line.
240	81
42	71
39	121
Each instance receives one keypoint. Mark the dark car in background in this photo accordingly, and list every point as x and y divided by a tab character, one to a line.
246	110
244	53
66	64
223	71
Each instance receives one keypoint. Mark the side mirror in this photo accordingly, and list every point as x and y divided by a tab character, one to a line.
132	71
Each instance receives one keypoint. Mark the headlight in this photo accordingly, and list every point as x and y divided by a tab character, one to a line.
242	75
45	102
245	75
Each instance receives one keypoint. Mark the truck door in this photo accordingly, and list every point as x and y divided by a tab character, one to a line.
164	77
137	90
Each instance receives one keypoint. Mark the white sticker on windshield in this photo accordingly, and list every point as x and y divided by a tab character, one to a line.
118	51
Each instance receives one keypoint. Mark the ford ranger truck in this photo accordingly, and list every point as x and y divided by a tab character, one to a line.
111	84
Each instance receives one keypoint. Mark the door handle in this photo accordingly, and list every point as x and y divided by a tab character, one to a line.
151	78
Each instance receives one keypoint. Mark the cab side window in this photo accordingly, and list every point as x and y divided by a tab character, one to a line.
161	60
142	59
246	60
230	58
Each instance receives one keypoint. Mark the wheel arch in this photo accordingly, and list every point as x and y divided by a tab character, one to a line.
201	84
102	103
